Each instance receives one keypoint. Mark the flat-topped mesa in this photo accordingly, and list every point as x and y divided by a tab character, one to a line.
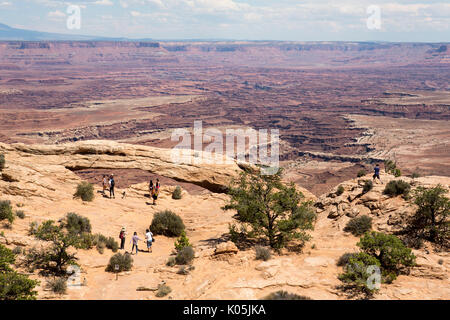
98	154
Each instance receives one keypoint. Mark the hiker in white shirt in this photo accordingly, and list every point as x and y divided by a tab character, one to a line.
149	238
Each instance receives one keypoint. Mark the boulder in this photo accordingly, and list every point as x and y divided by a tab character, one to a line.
226	248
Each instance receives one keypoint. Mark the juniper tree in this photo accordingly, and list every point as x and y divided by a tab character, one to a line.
270	208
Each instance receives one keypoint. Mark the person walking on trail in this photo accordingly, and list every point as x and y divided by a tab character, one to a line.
149	238
135	240
112	185
105	183
122	236
156	191
376	173
151	188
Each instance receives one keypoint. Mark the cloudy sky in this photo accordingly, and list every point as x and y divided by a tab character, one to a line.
301	20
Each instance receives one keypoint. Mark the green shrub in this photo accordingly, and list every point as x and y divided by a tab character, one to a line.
357	272
17	250
185	256
176	194
85	191
415	175
262	253
344	259
77	224
368	185
57	285
273	211
7	257
390	251
55	257
101	247
284	295
182	242
397	173
2	162
396	188
124	261
163	290
112	244
361	173
14	286
171	262
6	212
359	225
167	223
340	190
20	214
430	222
33	228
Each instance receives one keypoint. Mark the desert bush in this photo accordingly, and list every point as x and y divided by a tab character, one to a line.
163	290
340	190
357	272
57	285
171	262
388	249
2	162
397	172
430	222
176	194
167	223
270	209
85	191
124	261
77	224
359	225
284	295
17	250
101	247
368	185
20	214
391	167
7	257
361	173
396	188
6	212
54	258
14	286
262	253
185	255
415	175
344	259
32	230
185	270
182	242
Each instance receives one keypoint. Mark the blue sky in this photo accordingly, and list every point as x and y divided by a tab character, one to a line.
304	20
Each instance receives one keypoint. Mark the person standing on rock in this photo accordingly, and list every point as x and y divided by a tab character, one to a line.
151	188
156	191
122	236
377	172
112	185
105	184
149	238
135	240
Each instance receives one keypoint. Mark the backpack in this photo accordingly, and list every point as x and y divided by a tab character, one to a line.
112	183
121	235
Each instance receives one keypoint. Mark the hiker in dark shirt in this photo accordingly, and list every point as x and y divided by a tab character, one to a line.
112	185
376	172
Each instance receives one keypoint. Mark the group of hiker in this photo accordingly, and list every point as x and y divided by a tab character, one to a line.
154	188
109	184
135	240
